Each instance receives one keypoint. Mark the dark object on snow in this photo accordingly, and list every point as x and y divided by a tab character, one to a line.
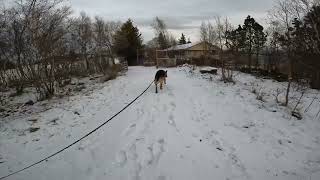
77	113
33	129
296	115
54	121
209	71
33	120
219	149
2	109
30	103
200	140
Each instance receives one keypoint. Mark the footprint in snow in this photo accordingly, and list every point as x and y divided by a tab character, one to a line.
214	132
196	119
155	152
171	117
162	178
137	171
173	104
170	93
121	158
172	122
164	108
133	152
140	112
148	157
237	162
161	141
130	129
89	170
195	135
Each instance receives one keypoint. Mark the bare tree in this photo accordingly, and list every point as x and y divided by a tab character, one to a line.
47	31
226	29
18	19
204	32
208	36
273	46
103	39
161	32
41	43
110	29
85	37
219	29
282	12
286	12
159	26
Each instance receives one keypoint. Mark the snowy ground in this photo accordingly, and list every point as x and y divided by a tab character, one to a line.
196	128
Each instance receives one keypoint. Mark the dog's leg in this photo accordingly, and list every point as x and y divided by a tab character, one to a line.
161	84
165	81
155	83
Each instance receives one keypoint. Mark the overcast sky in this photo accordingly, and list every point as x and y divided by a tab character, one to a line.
181	16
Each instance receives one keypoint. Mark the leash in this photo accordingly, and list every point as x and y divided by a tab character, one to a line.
83	137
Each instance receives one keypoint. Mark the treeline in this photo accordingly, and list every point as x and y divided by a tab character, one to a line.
43	46
292	40
295	28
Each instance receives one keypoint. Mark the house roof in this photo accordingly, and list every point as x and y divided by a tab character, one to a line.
181	47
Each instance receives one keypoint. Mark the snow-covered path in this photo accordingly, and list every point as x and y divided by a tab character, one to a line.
193	129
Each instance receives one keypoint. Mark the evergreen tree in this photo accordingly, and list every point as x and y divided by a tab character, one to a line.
248	38
248	28
182	39
127	41
259	39
305	38
236	39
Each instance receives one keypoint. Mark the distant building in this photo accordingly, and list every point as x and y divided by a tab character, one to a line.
192	50
186	53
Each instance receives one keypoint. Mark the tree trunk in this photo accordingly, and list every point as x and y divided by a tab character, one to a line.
315	81
287	93
289	80
250	61
257	60
87	63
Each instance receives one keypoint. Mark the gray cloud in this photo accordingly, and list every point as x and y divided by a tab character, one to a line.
179	15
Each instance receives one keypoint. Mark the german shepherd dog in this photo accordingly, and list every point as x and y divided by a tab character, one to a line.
160	77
